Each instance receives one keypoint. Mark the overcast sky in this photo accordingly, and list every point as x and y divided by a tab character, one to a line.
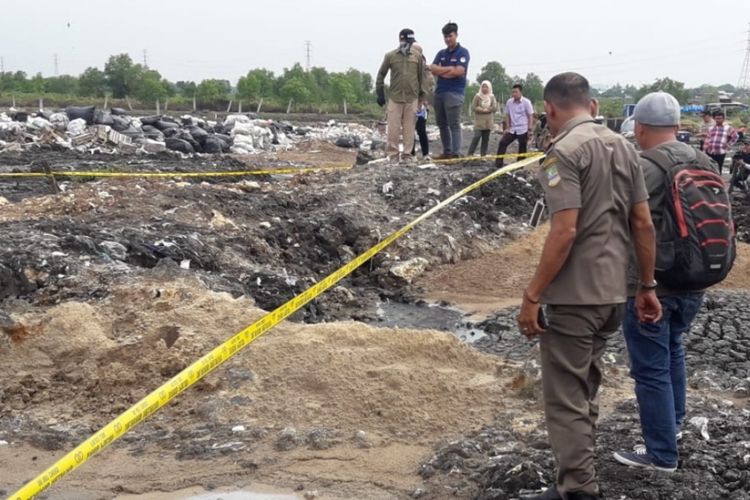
634	41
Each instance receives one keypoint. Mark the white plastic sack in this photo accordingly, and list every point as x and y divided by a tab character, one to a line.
5	118
242	128
59	121
77	127
239	150
40	123
245	141
234	119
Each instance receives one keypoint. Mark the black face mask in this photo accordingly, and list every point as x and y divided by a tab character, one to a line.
404	47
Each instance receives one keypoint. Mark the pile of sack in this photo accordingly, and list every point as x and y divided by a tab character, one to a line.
88	129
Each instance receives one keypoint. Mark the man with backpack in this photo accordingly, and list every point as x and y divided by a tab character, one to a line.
695	249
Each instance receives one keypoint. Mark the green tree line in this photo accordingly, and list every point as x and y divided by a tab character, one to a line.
121	78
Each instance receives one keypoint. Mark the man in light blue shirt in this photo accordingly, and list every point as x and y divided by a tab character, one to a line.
519	118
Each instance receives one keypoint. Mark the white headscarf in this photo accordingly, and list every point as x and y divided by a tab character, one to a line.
485	100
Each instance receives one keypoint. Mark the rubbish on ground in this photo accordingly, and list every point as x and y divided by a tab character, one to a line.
88	129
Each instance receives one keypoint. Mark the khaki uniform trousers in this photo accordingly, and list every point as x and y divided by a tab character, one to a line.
571	351
402	119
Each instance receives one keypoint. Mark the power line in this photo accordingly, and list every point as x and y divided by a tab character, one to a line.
308	47
744	81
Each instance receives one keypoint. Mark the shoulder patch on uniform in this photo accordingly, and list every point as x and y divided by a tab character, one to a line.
549	162
553	176
550	171
463	59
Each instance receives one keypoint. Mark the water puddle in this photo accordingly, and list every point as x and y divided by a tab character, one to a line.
424	316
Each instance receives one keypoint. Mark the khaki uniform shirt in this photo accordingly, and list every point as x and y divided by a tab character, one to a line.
590	168
407	82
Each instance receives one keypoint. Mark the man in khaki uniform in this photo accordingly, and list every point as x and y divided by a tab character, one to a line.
597	197
406	66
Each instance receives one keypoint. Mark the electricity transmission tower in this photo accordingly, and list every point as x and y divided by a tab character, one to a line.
744	81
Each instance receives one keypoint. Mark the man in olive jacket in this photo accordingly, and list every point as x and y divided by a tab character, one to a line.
406	66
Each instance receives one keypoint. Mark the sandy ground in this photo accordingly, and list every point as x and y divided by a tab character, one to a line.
496	280
404	389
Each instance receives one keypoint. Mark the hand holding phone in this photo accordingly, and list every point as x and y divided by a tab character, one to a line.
542	319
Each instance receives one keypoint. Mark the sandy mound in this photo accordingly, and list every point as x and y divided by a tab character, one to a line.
739	277
500	275
503	275
344	376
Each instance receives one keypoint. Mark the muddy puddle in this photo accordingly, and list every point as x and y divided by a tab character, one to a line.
426	316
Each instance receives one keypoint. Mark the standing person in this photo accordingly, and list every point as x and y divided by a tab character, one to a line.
519	117
406	67
450	67
596	196
423	108
707	123
542	136
484	106
657	356
740	168
721	137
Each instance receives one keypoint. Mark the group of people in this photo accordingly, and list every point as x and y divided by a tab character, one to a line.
611	230
415	85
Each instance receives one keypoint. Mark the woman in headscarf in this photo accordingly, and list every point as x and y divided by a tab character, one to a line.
484	106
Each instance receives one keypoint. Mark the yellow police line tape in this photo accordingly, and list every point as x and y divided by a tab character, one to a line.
199	369
489	157
236	173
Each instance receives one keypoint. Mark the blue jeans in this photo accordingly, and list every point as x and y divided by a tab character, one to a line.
448	107
657	364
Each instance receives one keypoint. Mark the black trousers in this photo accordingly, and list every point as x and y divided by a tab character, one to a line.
719	159
485	136
507	140
424	142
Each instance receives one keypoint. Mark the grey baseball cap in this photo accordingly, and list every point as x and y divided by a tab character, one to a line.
657	109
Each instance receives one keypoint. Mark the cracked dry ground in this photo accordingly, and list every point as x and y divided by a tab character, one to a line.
101	309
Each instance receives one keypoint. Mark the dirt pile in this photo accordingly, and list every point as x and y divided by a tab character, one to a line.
498	277
500	273
343	376
295	402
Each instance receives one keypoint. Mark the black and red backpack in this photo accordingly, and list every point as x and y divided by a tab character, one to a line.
695	246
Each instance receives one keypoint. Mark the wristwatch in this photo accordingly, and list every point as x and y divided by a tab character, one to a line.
649	286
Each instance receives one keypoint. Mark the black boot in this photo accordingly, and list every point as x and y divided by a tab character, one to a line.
580	495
